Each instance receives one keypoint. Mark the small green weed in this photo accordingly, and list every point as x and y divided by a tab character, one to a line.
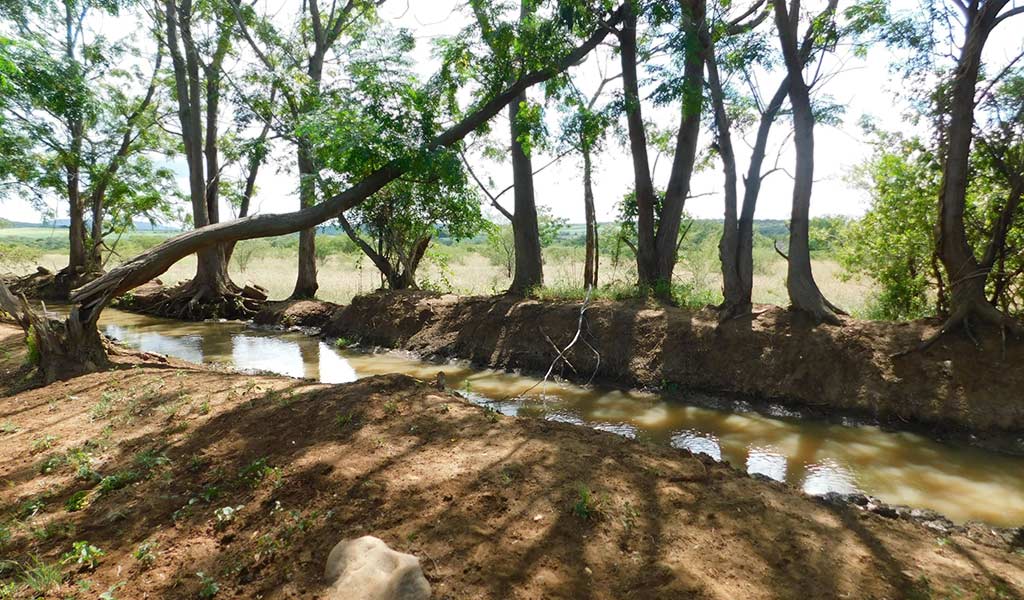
41	576
344	419
77	501
51	463
586	506
7	427
145	553
253	473
117	481
208	587
84	554
44	443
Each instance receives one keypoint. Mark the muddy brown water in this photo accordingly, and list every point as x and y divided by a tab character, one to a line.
959	481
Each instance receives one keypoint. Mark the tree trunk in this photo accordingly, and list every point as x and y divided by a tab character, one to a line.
590	266
529	269
804	294
667	238
967	276
729	245
646	259
306	282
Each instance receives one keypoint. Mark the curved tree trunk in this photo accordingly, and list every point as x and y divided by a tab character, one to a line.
529	268
804	294
967	275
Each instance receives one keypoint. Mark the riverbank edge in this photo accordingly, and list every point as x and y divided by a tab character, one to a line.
953	389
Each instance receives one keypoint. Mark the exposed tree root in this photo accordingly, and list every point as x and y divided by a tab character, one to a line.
982	311
192	301
47	285
60	349
730	311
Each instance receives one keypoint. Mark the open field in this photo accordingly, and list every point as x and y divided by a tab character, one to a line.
468	269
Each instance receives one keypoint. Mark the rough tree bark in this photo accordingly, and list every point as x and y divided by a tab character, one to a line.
657	242
210	292
966	274
529	268
804	294
65	349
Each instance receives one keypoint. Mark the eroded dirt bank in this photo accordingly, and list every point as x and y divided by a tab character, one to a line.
776	355
142	462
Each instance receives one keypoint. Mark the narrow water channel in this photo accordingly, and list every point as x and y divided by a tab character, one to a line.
959	481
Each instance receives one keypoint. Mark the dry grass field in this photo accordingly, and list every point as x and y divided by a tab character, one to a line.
466	271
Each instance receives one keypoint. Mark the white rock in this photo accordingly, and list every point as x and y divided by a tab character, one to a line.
367	569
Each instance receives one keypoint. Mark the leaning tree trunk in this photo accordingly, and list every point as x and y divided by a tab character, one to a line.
804	294
666	241
590	266
529	269
95	295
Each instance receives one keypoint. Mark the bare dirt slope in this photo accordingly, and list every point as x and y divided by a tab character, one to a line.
775	355
142	461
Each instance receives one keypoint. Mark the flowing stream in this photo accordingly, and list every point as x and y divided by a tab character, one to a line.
959	481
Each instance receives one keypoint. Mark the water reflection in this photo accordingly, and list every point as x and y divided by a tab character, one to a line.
899	467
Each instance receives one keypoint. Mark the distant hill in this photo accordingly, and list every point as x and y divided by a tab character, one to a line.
140	225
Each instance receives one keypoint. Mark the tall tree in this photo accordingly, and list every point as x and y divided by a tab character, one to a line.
585	128
80	134
735	46
804	294
658	223
295	63
198	87
508	41
967	274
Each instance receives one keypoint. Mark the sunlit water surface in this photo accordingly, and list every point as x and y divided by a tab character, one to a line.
961	482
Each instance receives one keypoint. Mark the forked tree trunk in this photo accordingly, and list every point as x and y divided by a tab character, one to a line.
590	267
804	294
967	275
529	269
658	239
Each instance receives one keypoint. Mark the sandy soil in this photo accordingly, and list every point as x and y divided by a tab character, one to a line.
151	453
776	355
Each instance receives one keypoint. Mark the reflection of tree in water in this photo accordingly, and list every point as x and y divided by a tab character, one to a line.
216	346
309	350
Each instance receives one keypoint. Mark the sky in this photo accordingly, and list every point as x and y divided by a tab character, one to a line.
865	85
